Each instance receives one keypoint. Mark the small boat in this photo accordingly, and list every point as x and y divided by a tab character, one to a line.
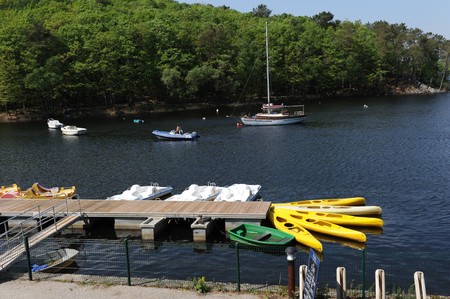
256	235
73	130
138	121
198	193
11	191
137	192
54	123
301	235
172	135
346	210
38	191
57	260
350	201
320	226
239	192
274	115
340	219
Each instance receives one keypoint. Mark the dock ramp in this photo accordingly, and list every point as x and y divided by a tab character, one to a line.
42	225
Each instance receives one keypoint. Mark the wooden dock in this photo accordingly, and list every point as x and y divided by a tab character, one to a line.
143	208
148	215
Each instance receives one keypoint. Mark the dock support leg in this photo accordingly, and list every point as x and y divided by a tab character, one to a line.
4	227
201	228
151	227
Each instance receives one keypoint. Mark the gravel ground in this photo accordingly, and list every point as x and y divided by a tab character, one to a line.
22	289
74	287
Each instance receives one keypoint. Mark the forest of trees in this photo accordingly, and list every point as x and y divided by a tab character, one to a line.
78	53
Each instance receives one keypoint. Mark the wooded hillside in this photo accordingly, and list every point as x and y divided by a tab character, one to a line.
78	53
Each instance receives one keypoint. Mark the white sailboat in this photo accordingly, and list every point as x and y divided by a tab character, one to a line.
274	115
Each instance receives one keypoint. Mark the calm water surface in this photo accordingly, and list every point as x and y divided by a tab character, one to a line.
395	153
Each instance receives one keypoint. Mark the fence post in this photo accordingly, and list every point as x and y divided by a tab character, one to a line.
27	250
301	280
341	280
127	256
380	290
419	283
238	268
363	268
290	256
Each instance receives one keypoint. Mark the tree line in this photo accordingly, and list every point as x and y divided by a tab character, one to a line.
56	54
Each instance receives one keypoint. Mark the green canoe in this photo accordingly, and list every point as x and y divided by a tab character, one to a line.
257	235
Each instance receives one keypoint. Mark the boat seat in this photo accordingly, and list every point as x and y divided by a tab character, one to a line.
263	236
240	232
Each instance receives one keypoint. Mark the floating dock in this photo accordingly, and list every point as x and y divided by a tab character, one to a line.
150	216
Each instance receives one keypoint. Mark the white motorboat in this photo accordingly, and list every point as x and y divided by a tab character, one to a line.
197	193
56	260
54	123
239	192
137	192
73	130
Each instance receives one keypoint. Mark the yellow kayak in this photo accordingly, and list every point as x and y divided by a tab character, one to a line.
301	235
351	201
343	242
346	210
320	226
340	219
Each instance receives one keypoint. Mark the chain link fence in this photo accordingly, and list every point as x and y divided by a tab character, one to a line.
236	267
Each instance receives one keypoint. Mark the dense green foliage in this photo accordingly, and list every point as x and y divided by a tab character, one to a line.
73	53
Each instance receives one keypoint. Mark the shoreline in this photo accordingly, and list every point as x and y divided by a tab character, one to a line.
153	107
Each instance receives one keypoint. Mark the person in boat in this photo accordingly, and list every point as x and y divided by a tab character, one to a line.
178	130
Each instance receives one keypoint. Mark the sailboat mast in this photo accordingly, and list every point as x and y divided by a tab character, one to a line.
267	63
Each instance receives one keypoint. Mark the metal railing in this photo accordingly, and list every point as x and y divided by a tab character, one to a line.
41	219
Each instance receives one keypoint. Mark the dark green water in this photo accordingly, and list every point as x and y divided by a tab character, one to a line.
395	153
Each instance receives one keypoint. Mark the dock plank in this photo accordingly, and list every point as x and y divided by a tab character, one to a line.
145	208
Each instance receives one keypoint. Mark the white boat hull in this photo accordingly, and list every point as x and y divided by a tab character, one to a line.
137	192
197	193
72	130
239	192
233	193
57	260
256	121
54	124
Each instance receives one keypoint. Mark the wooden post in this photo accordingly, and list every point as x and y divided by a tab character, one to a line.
419	283
341	281
380	289
290	254
301	277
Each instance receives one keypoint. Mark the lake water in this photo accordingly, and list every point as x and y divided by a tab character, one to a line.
395	153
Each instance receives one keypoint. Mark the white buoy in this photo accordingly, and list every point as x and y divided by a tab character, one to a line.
203	118
217	111
365	106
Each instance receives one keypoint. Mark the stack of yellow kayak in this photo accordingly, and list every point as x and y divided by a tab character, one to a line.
37	191
325	216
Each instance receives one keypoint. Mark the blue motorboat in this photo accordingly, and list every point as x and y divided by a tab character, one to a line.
172	135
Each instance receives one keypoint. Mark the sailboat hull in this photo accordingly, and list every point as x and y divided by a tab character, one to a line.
267	121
